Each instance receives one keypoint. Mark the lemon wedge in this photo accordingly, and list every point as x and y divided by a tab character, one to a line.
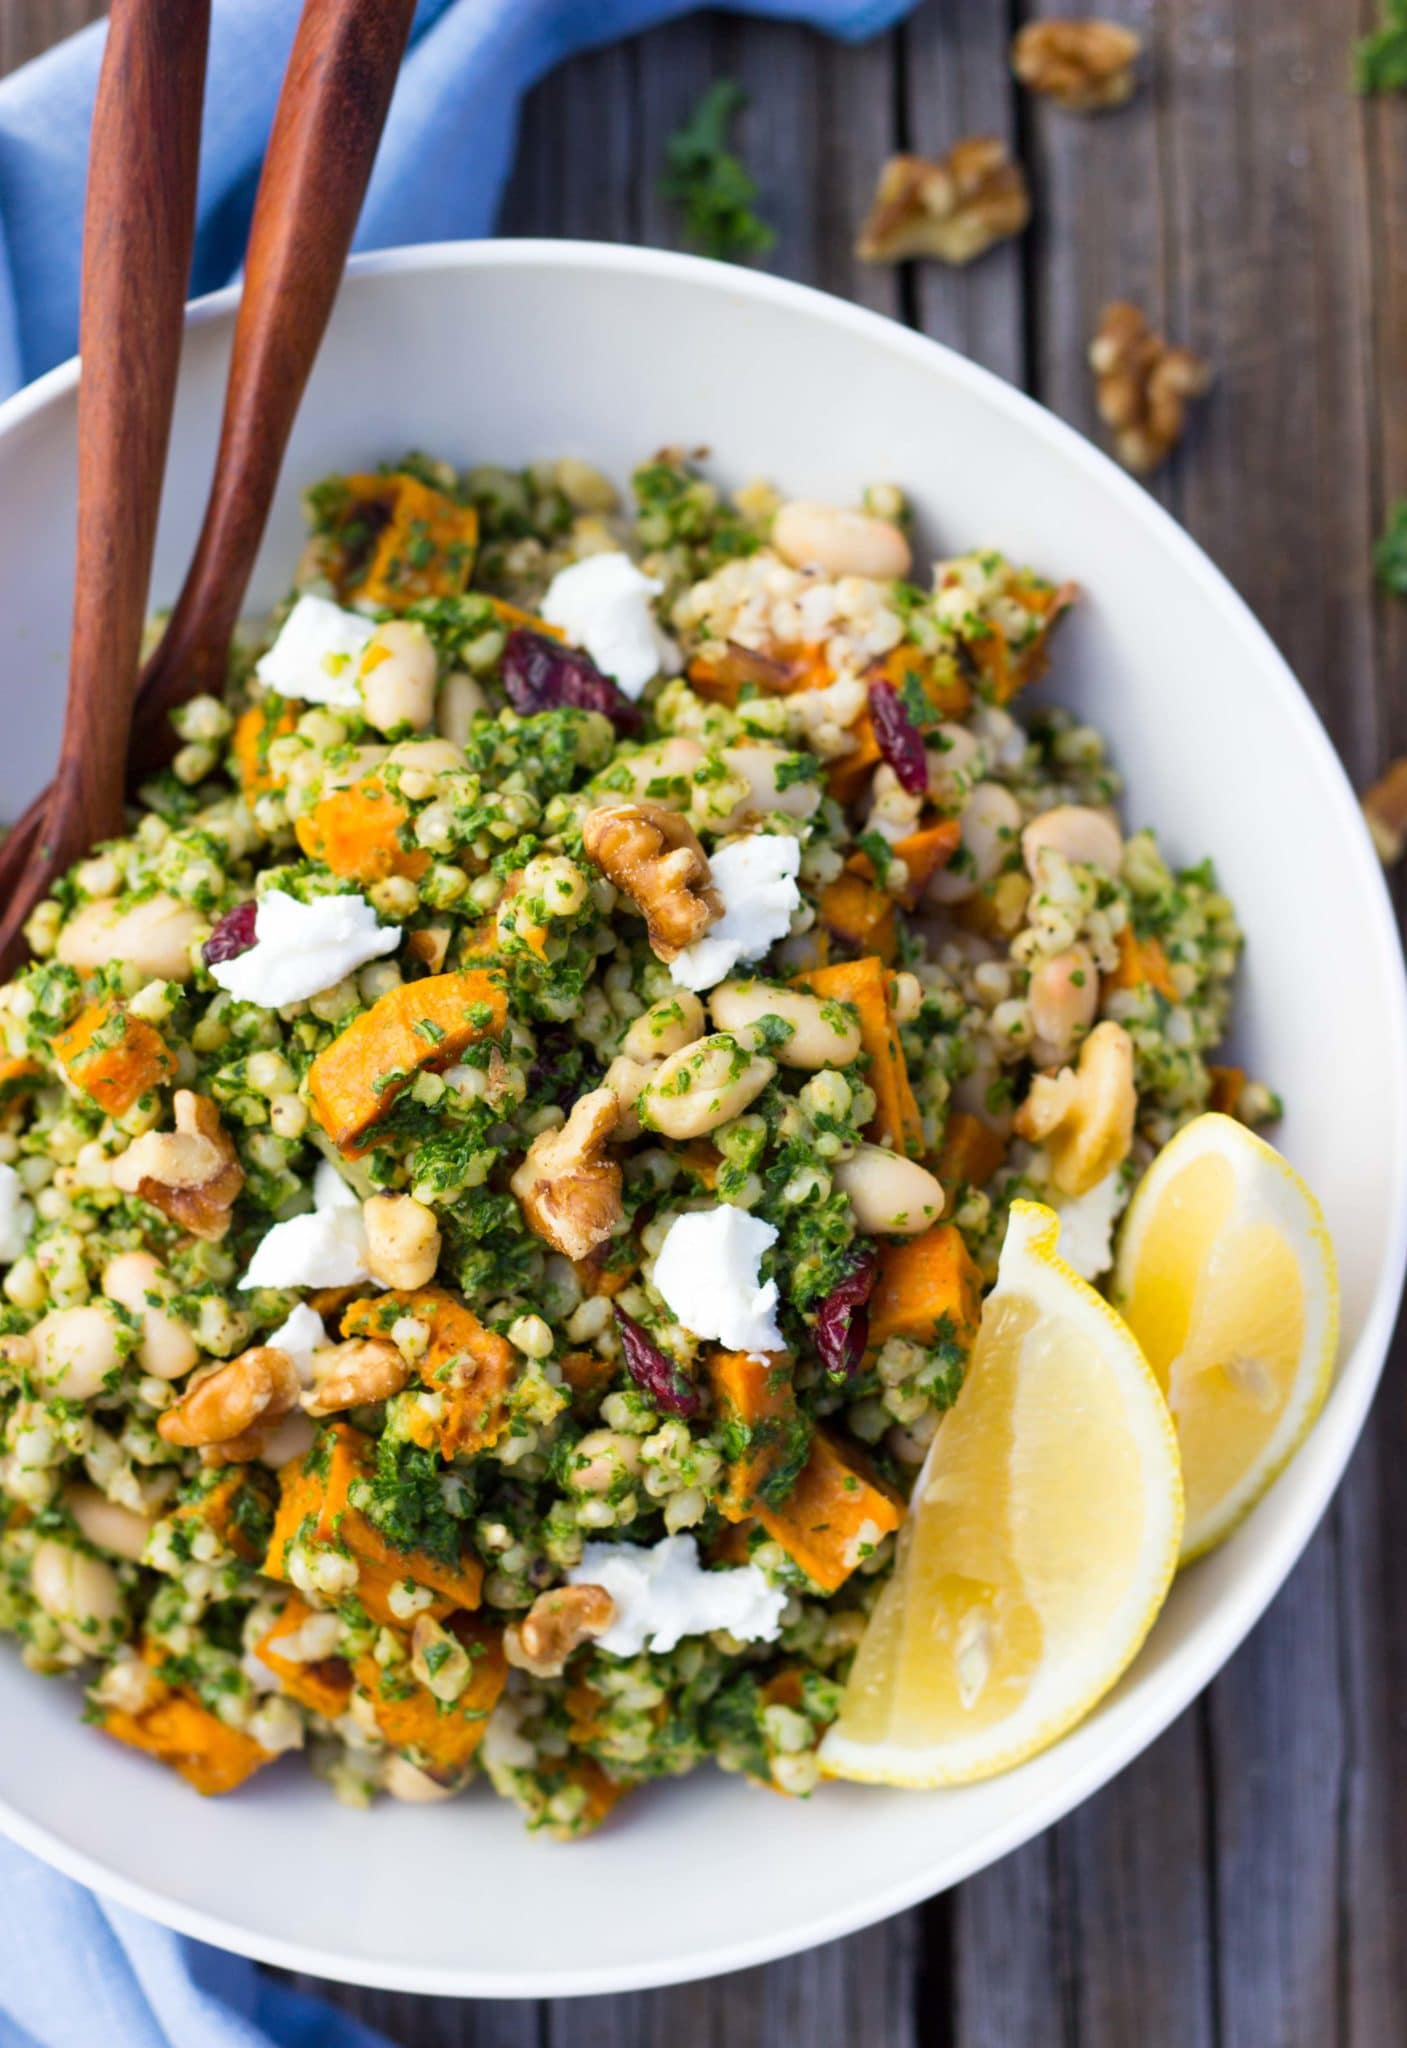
1040	1543
1226	1275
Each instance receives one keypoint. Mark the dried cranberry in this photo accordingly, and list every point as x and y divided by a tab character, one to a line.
233	935
542	675
653	1373
900	740
843	1320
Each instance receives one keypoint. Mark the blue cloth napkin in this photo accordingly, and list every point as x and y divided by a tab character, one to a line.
76	1971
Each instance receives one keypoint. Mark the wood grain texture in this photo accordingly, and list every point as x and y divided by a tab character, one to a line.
1243	1884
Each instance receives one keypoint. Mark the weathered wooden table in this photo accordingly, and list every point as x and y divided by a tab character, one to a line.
1243	1884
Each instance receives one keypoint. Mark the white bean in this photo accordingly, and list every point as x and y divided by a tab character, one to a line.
398	670
167	1350
823	1034
1078	833
627	1080
990	824
460	701
75	1350
1063	997
415	1787
80	1593
888	1193
105	1524
667	1026
840	542
759	767
154	937
654	769
429	757
705	1085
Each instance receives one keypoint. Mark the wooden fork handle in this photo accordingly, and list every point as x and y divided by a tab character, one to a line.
138	225
341	73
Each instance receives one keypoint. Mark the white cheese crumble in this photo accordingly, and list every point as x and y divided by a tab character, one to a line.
1087	1226
299	1336
325	1247
756	877
16	1216
317	654
302	948
707	1275
603	604
664	1593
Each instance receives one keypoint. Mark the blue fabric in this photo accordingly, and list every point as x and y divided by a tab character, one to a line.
444	158
74	1970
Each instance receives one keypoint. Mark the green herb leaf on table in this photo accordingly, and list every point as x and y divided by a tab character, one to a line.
712	187
1390	554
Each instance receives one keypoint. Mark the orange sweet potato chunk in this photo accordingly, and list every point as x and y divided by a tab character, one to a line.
470	1367
1006	670
19	1075
324	1686
255	729
1142	963
114	1057
860	916
427	1023
356	833
923	853
897	1123
927	1288
440	1738
836	1513
971	1152
848	777
178	1731
425	546
223	1507
762	1427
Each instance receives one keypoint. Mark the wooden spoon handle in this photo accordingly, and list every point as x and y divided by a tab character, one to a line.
138	226
341	74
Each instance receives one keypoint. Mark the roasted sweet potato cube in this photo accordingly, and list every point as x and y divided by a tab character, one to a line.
178	1731
356	833
114	1057
440	1738
835	1515
469	1367
421	1024
325	1685
927	1289
865	983
765	1435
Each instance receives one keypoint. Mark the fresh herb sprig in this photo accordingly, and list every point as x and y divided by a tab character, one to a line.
712	187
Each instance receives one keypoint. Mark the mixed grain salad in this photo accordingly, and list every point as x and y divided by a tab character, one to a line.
499	1169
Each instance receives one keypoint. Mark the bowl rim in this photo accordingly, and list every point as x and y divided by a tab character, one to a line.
1337	1429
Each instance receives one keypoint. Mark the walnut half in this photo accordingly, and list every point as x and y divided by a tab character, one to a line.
1084	1115
569	1189
192	1174
1084	66
1142	386
954	209
556	1625
654	857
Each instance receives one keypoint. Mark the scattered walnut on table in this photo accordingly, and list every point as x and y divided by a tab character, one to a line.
955	208
1142	386
1085	66
557	1623
191	1174
654	857
1385	812
570	1191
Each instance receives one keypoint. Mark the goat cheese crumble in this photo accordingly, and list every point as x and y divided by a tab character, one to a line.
1087	1226
756	877
603	605
663	1593
707	1275
325	1247
302	948
317	654
299	1336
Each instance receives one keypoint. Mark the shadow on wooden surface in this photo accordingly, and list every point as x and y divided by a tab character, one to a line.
1243	1884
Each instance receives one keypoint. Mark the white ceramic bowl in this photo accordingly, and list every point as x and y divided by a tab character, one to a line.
518	350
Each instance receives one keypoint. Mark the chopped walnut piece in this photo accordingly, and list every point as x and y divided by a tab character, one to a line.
569	1190
1142	386
1084	66
654	857
953	209
1385	811
556	1624
1084	1115
191	1174
220	1404
354	1374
